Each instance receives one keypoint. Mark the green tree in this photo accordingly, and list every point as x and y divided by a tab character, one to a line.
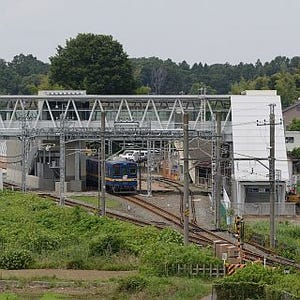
44	84
238	87
30	85
295	125
95	63
286	87
143	90
9	79
296	153
199	87
27	65
262	83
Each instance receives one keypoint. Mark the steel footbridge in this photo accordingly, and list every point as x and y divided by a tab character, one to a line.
151	116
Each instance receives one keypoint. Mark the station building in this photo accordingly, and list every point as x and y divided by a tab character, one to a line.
151	121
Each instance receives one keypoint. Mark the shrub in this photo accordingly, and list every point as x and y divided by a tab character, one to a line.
155	258
106	245
132	284
239	291
15	259
169	235
75	264
44	242
254	273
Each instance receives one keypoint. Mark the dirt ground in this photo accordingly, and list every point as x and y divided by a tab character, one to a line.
75	284
66	275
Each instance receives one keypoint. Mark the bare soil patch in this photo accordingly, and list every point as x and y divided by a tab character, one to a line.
61	274
76	284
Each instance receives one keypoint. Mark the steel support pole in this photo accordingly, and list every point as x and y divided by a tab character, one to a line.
149	165
272	176
140	172
99	180
24	161
218	173
186	177
62	161
103	205
77	161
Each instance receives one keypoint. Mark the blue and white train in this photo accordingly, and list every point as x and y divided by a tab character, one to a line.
120	175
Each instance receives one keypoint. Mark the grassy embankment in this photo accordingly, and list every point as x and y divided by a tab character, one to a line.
36	233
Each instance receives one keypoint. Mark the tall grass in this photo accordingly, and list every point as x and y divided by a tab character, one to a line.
287	236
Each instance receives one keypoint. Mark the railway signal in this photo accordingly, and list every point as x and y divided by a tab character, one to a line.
239	230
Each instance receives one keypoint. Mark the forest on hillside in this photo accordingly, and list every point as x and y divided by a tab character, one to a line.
25	74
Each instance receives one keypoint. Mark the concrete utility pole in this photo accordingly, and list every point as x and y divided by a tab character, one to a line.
186	177
218	173
103	205
271	169
272	176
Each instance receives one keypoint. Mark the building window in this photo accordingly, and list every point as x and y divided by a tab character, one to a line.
289	139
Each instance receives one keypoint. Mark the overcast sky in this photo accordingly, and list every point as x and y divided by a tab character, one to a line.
207	31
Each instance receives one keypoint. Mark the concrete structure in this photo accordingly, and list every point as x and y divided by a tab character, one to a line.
251	148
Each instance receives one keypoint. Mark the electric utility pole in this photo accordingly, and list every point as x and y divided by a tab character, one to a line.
186	177
218	180
103	205
271	168
272	176
62	159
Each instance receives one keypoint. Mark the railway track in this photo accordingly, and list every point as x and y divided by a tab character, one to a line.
93	209
179	188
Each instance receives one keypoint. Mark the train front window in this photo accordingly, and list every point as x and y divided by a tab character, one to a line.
132	169
116	170
124	171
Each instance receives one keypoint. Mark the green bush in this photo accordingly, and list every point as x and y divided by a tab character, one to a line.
156	256
239	291
132	284
255	273
15	259
75	264
106	245
44	242
276	280
168	235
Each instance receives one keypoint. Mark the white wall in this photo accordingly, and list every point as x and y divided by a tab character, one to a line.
292	140
252	141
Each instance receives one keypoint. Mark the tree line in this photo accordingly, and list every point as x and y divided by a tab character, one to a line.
99	65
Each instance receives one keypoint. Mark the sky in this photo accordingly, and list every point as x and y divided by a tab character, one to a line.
207	31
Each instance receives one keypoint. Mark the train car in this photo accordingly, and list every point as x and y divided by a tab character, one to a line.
120	177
